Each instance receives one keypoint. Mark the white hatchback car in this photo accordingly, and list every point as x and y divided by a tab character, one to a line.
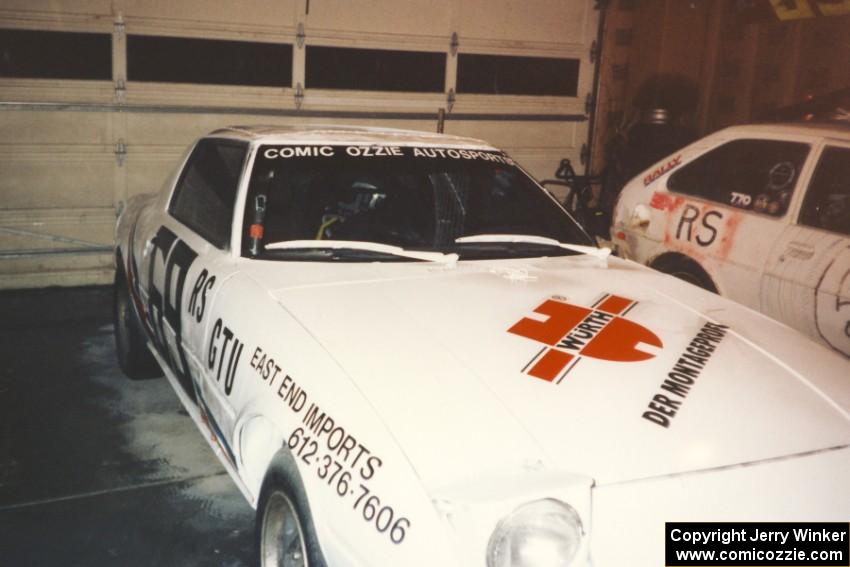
760	214
405	352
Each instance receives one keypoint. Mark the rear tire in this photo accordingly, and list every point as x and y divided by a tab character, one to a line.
285	534
134	358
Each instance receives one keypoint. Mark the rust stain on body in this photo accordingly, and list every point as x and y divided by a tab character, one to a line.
727	238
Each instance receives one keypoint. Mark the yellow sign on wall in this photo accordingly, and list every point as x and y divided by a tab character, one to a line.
801	9
792	9
834	7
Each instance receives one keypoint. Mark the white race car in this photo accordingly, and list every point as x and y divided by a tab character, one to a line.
760	214
406	353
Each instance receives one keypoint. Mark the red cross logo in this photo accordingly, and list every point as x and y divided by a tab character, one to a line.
572	331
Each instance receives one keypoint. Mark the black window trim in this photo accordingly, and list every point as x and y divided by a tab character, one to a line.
172	198
463	84
91	71
312	81
137	72
822	147
786	216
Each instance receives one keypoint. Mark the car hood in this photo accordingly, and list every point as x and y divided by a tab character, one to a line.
450	359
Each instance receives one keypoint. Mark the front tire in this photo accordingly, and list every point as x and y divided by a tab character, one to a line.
686	270
281	533
285	533
134	358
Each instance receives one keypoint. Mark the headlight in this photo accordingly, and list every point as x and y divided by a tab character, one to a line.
543	533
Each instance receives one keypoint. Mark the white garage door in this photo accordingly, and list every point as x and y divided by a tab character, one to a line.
99	98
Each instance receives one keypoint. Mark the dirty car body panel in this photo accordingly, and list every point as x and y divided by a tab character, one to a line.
762	212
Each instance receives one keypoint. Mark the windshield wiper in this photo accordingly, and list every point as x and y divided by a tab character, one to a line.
532	239
377	247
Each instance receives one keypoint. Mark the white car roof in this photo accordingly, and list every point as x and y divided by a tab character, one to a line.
819	129
326	134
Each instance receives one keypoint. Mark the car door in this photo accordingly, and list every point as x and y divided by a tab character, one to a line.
807	277
728	206
188	259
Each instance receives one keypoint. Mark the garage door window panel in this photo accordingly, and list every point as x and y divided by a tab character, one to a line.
31	54
206	192
374	69
514	75
754	175
208	61
827	204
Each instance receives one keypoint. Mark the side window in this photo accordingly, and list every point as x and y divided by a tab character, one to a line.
206	192
756	175
827	203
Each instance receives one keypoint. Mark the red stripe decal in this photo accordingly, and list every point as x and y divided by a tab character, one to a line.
614	304
550	365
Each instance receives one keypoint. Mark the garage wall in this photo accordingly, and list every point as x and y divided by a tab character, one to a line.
742	58
73	149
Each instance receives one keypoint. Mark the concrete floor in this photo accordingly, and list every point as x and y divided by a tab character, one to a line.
96	469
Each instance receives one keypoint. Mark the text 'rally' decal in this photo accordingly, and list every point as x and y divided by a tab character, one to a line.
661	170
572	331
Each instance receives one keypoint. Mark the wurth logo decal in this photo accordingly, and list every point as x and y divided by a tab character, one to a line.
572	331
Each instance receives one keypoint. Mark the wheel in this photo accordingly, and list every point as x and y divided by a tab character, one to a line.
134	358
284	526
282	537
686	270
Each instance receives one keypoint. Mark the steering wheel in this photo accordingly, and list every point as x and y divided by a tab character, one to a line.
781	175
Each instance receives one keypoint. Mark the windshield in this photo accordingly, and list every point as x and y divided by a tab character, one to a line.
415	198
